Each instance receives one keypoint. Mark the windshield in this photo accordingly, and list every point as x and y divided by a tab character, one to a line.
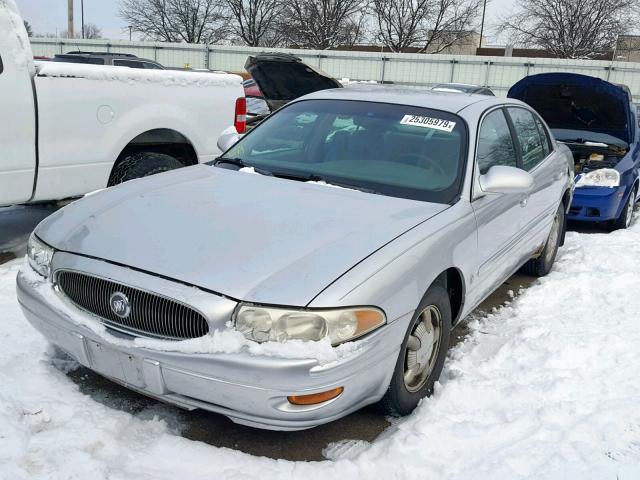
396	150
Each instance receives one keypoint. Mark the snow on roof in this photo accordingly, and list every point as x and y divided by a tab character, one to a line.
11	25
136	75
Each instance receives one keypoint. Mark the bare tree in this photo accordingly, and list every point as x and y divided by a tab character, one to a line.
256	22
429	25
190	21
323	24
92	31
569	28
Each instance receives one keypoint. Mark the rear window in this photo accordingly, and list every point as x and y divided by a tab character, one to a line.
396	150
78	59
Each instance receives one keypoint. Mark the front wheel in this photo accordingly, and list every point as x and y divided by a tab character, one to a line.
626	217
422	354
541	265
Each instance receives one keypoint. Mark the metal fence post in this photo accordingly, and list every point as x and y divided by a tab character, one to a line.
453	69
528	65
486	74
384	60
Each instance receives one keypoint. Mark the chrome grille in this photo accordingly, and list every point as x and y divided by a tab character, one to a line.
150	315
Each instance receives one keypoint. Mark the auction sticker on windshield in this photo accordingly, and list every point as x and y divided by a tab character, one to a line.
428	122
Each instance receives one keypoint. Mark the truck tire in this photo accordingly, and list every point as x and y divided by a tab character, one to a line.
422	354
140	165
541	265
626	217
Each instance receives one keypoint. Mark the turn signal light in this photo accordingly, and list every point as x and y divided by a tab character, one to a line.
315	398
241	115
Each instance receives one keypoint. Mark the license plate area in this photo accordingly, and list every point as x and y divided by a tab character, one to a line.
112	363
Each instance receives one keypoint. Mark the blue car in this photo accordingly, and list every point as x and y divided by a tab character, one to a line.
597	120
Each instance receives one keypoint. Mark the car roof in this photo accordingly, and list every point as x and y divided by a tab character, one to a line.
403	95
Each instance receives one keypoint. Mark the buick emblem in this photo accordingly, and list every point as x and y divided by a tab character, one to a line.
120	305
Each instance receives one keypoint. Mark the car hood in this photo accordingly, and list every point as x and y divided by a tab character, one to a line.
578	102
249	237
283	77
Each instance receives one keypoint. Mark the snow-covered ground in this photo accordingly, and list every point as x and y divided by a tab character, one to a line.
546	387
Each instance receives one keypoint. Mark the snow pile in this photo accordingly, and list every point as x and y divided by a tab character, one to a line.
12	29
166	78
546	388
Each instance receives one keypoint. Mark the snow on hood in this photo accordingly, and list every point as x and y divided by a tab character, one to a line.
250	237
11	25
110	73
571	101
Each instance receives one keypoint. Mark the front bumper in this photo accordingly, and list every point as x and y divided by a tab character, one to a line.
249	389
597	204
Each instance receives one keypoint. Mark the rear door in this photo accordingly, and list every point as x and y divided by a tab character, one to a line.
17	115
537	157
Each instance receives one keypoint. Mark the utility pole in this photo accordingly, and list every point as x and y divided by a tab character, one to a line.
82	16
130	28
484	8
70	18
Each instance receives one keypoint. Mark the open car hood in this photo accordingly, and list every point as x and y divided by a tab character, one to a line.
571	101
282	78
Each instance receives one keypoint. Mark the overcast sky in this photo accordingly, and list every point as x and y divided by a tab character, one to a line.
50	16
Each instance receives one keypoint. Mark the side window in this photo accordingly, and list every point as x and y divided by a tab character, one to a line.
544	135
528	135
495	145
151	66
128	63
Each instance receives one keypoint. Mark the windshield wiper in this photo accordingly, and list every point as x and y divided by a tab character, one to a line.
313	177
238	162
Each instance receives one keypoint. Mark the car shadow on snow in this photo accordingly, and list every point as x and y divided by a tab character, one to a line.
340	438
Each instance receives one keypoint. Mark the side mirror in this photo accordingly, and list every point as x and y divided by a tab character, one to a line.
503	179
228	138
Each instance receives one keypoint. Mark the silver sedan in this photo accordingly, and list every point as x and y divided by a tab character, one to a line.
369	220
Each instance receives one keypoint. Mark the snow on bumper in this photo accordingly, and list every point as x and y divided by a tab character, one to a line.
249	389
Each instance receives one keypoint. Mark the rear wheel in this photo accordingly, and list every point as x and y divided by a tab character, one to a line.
422	354
626	217
140	165
541	265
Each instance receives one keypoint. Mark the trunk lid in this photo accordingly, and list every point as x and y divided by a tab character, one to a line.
283	77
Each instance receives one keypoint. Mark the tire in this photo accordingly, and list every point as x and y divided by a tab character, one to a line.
541	265
140	165
403	395
626	217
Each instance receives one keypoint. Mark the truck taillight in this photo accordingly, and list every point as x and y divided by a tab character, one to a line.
241	115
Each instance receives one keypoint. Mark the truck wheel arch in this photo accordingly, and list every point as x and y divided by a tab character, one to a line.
165	141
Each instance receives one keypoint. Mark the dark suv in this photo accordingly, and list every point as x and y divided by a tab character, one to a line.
108	58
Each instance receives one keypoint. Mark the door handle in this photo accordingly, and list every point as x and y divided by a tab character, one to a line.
524	200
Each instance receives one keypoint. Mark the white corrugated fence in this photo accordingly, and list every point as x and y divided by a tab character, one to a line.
498	73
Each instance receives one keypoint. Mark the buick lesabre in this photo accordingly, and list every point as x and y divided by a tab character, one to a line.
375	217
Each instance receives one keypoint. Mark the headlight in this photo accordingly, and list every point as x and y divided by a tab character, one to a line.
264	324
39	255
603	177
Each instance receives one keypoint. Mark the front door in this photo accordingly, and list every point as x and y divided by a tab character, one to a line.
501	217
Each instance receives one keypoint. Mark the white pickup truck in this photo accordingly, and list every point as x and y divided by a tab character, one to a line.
68	129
